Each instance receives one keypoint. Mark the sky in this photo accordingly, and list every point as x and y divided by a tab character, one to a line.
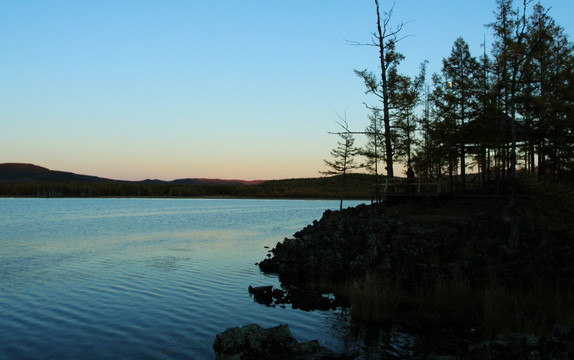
231	89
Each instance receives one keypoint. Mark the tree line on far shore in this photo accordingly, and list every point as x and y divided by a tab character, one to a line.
504	112
359	186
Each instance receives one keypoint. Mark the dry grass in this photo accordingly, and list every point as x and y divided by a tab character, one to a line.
451	300
375	299
493	307
527	310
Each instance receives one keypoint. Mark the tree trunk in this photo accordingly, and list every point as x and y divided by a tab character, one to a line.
386	114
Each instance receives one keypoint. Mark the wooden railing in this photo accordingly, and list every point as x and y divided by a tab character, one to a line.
430	187
417	186
402	186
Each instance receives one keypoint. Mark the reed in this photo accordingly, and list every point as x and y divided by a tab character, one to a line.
492	307
375	299
447	300
534	309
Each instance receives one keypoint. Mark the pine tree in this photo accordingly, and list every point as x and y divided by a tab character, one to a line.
511	57
456	96
546	99
343	156
373	151
407	97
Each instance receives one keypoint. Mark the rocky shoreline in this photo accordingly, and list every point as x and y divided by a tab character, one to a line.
419	244
252	342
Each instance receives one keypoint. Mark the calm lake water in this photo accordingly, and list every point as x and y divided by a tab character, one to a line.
143	278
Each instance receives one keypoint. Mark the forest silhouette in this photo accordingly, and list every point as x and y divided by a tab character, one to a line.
509	111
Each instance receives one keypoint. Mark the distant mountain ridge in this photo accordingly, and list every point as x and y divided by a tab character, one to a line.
20	172
17	172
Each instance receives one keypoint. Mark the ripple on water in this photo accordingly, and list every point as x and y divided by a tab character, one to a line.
124	278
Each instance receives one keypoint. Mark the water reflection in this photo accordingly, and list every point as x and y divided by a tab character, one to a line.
371	342
140	278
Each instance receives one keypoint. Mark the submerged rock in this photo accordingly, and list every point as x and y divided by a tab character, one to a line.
262	294
557	345
299	298
252	342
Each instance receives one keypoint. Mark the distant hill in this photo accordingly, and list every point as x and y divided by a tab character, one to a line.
37	181
203	181
16	172
27	173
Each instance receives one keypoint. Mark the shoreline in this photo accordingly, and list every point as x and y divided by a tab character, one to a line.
463	263
184	197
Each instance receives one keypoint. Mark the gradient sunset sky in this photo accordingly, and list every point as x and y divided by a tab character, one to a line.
167	89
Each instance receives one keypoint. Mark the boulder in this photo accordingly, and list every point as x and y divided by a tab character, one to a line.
262	294
252	342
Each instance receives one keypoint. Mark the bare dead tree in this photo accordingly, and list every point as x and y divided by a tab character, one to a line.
385	39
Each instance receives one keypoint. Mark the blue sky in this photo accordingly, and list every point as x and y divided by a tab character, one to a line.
221	89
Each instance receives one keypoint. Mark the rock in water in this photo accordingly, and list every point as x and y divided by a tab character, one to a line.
262	294
252	342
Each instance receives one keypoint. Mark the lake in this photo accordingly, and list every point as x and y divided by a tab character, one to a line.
143	278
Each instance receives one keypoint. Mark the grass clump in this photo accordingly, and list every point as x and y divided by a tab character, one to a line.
534	309
491	307
374	298
447	300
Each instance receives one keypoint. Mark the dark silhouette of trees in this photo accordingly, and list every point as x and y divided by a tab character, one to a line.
385	40
344	157
511	109
407	97
373	150
546	99
511	55
456	96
